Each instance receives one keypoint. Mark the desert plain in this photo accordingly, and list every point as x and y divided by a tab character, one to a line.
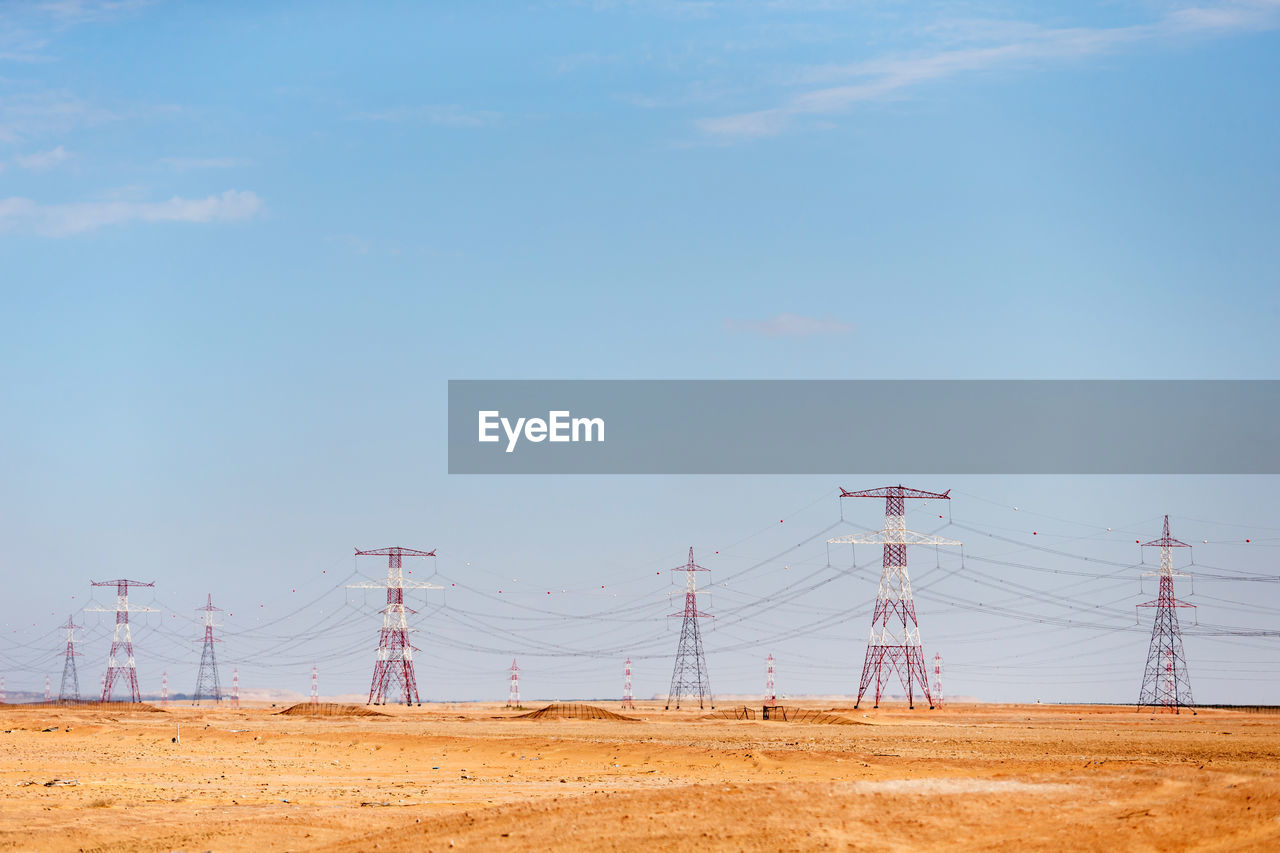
477	777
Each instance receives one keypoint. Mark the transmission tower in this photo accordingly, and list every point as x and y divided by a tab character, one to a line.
1165	683
937	680
894	644
513	690
315	685
393	671
235	687
164	687
207	684
48	689
770	693
70	689
628	701
121	640
2	696
689	678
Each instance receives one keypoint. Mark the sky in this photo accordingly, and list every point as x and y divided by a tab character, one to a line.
244	248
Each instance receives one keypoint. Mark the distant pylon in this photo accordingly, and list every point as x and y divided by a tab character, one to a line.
207	683
121	640
393	671
1165	683
690	678
937	680
894	644
48	689
164	687
3	700
513	689
315	685
770	692
628	701
235	687
70	689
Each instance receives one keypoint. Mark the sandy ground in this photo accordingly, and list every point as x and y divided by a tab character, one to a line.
980	777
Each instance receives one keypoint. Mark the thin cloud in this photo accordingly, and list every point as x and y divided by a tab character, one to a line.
788	325
1024	45
42	160
22	215
441	115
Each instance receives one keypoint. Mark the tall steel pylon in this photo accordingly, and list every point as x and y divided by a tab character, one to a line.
770	692
70	689
513	689
690	678
894	643
1165	683
937	680
393	672
207	684
121	640
628	701
315	684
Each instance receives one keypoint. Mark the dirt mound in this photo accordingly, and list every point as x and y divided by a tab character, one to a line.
783	714
329	709
91	704
573	711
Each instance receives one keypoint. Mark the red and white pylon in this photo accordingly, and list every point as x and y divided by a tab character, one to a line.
628	701
1165	683
393	671
315	685
121	640
937	680
513	690
48	689
894	643
164	687
235	687
770	693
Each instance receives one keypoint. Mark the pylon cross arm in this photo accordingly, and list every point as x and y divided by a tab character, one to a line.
892	537
132	608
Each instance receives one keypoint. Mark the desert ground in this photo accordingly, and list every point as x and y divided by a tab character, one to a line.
474	777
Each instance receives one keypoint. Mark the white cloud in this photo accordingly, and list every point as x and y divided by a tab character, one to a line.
42	160
442	115
1015	44
787	325
61	220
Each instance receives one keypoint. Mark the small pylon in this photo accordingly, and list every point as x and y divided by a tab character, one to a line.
207	684
48	689
1165	683
628	701
513	689
690	678
770	692
70	689
894	643
164	687
3	700
315	685
235	687
393	671
121	640
937	680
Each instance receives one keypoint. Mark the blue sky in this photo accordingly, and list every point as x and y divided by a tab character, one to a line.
245	248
